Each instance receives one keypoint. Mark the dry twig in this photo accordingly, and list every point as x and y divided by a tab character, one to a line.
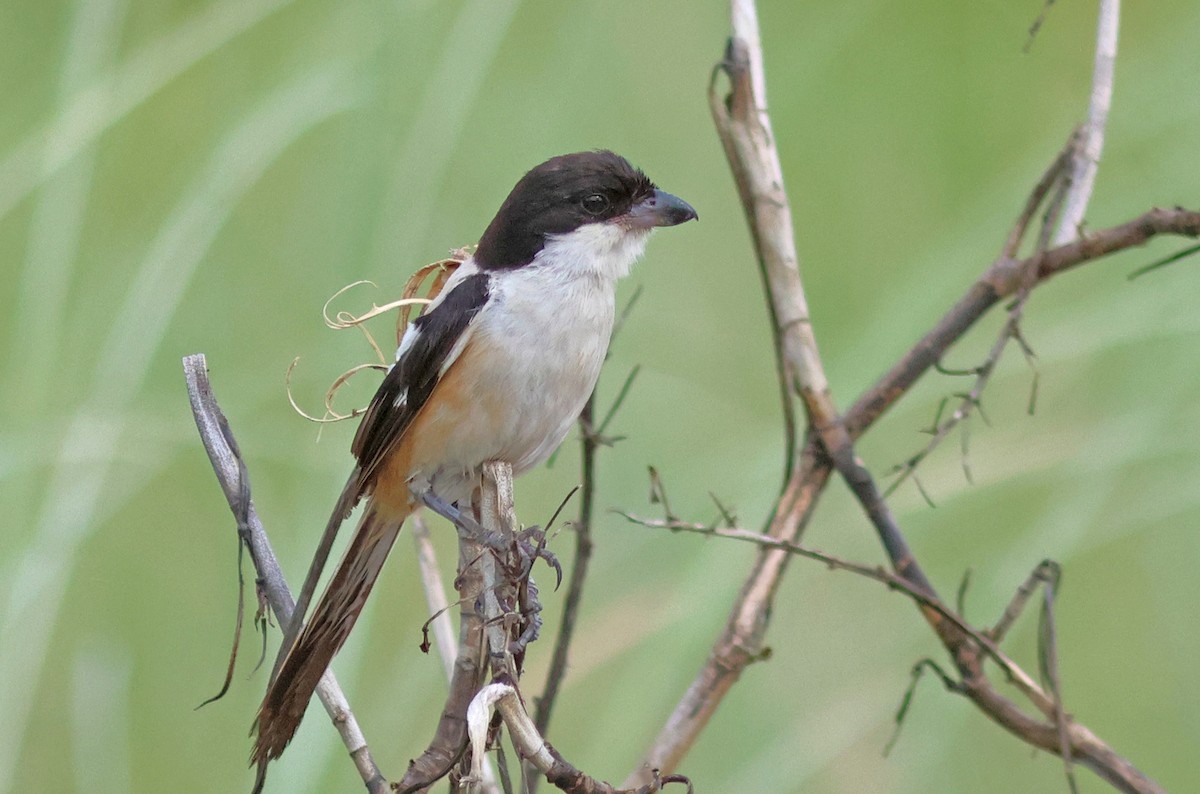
231	473
342	320
1085	161
750	149
591	438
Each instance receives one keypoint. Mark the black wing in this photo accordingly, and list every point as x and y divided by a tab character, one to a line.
435	336
408	384
427	353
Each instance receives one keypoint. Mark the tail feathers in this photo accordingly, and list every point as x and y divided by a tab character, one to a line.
332	619
351	493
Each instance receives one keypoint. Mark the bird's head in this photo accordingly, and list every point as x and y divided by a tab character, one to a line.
591	211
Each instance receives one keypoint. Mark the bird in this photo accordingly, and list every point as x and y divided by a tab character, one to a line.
497	368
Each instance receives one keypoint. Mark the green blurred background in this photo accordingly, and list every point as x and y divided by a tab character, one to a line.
178	177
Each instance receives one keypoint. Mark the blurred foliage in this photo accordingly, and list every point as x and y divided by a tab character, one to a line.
200	175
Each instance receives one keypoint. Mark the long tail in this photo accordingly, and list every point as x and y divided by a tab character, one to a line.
330	625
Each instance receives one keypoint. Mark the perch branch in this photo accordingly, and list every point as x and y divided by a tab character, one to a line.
449	741
231	473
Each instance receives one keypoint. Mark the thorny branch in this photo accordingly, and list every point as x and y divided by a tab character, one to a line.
743	126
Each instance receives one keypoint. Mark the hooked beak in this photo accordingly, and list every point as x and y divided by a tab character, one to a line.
660	209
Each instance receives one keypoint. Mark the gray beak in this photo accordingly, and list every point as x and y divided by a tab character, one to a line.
660	209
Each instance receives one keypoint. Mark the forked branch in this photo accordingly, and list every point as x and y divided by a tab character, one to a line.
742	123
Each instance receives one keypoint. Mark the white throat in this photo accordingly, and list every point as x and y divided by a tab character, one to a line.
602	249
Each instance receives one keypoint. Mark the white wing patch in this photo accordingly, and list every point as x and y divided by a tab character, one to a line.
413	333
407	341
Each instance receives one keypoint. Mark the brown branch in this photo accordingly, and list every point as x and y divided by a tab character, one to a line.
743	126
474	582
504	698
1049	190
231	473
1011	669
592	438
1049	736
999	281
741	641
579	569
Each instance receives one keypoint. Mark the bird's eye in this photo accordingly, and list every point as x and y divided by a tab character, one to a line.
595	204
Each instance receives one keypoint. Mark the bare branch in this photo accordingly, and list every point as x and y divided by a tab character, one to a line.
1086	159
504	698
231	474
743	127
740	642
470	666
1083	745
1000	280
1053	176
1012	670
968	404
579	570
435	593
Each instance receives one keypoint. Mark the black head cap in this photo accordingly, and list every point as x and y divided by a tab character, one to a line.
557	197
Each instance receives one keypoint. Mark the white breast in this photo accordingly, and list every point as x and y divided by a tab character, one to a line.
540	342
547	328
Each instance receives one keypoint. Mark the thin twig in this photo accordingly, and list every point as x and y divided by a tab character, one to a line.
504	698
1002	279
918	671
449	740
1054	175
591	438
557	671
743	126
922	597
1048	666
231	474
435	593
241	613
969	403
1086	160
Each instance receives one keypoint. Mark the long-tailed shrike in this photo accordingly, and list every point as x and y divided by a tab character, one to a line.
497	368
